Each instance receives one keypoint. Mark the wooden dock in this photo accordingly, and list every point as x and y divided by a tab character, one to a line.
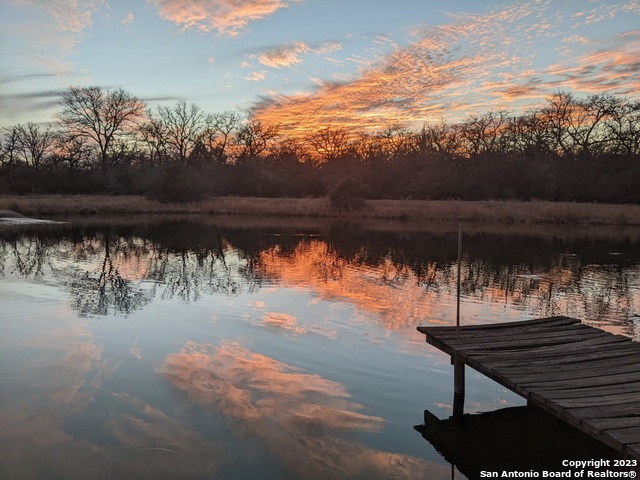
585	376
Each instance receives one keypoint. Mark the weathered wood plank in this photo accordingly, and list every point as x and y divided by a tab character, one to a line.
504	325
613	423
590	383
630	409
581	374
448	333
544	357
625	435
509	342
572	371
599	400
604	389
633	449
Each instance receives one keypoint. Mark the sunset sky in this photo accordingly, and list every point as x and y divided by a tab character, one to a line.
306	63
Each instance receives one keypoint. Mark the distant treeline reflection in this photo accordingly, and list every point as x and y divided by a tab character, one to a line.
118	270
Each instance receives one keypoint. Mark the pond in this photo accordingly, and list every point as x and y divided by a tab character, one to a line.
247	348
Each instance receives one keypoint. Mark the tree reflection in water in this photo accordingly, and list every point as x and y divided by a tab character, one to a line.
108	269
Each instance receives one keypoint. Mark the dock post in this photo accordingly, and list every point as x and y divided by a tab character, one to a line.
458	387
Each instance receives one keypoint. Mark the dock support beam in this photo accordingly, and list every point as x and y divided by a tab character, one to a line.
458	387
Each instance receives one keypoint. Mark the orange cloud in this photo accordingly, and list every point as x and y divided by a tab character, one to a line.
416	83
616	68
470	65
228	17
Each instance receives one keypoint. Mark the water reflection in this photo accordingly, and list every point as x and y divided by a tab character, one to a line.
303	418
62	416
181	348
107	270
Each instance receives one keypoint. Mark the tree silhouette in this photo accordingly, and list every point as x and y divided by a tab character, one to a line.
102	116
179	128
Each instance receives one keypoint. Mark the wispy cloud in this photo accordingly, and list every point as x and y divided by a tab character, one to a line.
474	63
227	17
576	39
128	20
615	67
290	54
420	81
15	104
256	76
51	30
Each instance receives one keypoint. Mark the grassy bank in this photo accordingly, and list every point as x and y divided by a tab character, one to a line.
453	210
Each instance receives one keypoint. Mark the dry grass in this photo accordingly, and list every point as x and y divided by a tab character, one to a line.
484	211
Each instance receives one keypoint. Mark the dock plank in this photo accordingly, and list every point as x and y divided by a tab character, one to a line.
588	353
583	375
573	371
629	410
515	342
590	383
613	423
605	389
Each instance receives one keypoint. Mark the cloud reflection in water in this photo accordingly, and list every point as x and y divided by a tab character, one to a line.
305	420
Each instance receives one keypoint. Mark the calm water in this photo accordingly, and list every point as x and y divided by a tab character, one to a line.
212	349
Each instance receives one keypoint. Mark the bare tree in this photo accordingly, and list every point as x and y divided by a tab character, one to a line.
558	113
368	148
482	134
329	143
34	143
180	127
75	151
151	135
253	139
623	128
441	139
587	124
219	131
288	151
397	140
101	116
27	143
10	148
528	135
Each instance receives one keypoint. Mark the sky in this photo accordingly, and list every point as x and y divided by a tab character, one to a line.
308	64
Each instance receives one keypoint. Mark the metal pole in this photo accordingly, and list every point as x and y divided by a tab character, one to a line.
458	290
458	365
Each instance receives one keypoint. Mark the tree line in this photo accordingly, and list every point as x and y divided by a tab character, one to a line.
109	141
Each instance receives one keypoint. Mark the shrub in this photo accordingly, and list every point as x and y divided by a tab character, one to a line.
178	184
348	195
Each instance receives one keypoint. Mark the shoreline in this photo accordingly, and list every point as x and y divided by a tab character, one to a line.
492	211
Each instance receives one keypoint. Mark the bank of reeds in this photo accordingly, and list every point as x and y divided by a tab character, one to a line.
451	210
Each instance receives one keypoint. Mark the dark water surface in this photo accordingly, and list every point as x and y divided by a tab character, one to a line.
200	348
